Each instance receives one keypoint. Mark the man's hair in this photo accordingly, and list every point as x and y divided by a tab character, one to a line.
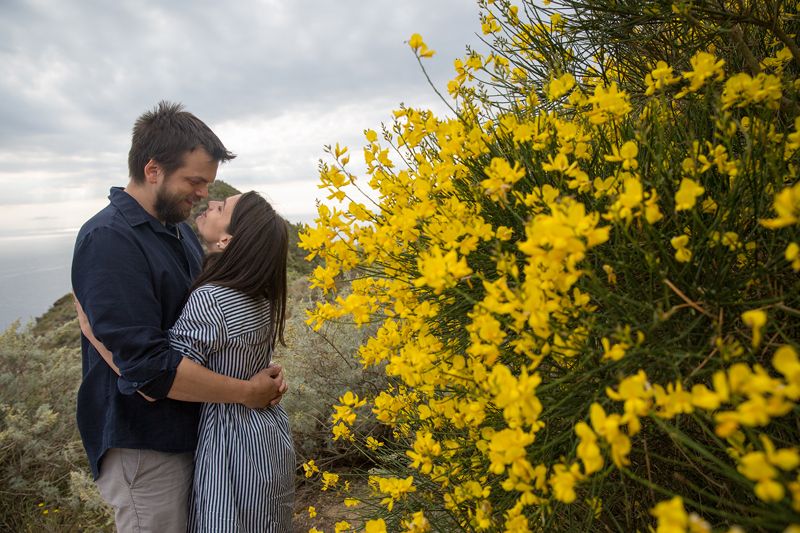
165	134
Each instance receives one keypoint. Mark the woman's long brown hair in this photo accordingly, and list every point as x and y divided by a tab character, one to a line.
254	262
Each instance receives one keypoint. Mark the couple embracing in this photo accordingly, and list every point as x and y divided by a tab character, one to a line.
179	407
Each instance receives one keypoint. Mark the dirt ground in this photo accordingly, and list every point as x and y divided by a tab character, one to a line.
329	506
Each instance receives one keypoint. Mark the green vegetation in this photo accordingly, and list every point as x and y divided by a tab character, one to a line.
585	279
45	483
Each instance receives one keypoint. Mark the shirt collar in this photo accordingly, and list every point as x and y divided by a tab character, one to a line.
135	214
132	210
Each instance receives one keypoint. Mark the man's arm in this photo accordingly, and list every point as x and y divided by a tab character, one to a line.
195	383
114	282
86	329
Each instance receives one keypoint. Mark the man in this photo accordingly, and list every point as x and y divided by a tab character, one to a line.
133	264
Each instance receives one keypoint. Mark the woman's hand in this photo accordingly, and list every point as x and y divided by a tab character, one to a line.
266	387
283	388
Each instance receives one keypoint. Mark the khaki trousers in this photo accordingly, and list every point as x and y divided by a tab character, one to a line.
148	490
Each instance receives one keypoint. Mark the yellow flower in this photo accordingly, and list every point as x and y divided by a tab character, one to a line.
608	104
344	413
425	449
636	393
786	459
373	443
341	431
742	89
607	426
755	466
755	319
310	468
704	398
704	66
683	254
563	482
671	516
588	450
490	24
610	275
516	395
393	488
351	400
651	211
506	447
558	87
687	194
673	400
329	480
341	527
375	526
786	362
659	78
769	490
312	511
626	154
792	255
787	206
615	352
417	523
501	178
416	44
440	271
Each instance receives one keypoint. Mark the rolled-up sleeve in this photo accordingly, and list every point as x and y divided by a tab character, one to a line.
112	281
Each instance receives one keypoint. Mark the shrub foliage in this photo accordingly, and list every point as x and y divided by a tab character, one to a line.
584	281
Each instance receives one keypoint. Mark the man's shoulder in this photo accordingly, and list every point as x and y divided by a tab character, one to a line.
108	217
106	231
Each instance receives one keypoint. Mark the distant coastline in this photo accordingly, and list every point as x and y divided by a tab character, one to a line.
34	273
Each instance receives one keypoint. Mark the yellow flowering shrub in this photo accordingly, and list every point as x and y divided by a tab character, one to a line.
584	281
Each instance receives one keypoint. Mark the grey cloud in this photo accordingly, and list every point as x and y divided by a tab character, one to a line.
75	74
113	59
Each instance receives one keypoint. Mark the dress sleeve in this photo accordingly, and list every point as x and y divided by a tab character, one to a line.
200	330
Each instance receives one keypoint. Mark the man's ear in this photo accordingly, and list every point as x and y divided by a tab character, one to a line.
152	170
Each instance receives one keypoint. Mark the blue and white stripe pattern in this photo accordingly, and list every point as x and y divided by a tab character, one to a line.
244	463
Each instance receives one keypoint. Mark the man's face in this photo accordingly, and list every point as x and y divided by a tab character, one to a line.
187	185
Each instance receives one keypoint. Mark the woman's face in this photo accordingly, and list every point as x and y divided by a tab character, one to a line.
212	224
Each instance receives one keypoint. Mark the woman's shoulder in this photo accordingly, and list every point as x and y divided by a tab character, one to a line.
227	298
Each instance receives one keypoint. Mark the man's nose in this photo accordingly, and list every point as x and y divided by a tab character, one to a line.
202	191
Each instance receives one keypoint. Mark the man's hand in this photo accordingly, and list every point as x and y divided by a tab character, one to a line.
265	387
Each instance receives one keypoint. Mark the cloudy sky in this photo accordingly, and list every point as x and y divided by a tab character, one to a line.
275	79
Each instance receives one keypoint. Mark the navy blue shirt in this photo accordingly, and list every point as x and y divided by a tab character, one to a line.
132	275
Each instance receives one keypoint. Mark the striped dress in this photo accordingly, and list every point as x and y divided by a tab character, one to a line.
244	463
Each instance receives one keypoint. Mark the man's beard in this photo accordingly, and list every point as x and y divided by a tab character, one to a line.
170	209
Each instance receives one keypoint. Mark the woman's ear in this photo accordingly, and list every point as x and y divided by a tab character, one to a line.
223	241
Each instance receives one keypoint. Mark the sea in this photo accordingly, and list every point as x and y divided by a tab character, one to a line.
34	273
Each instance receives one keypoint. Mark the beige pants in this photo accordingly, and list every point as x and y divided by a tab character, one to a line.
148	490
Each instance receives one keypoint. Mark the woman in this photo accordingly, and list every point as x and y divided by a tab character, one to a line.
244	461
